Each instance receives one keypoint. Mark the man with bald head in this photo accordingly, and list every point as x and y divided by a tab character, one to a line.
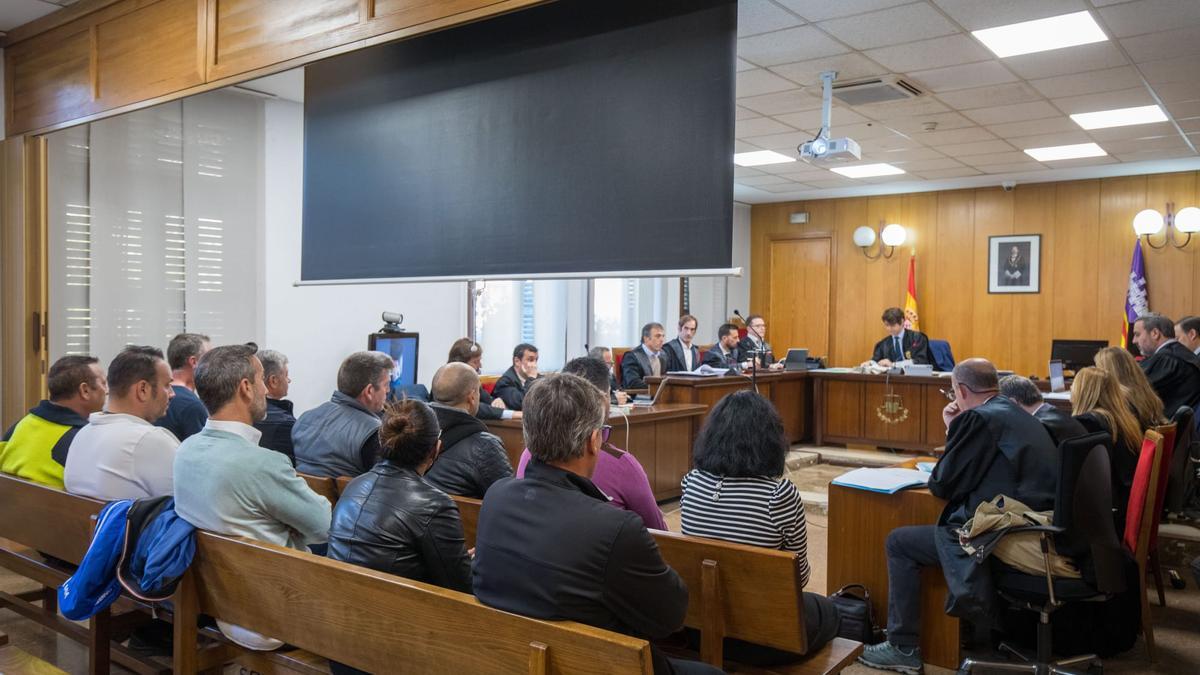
472	459
993	447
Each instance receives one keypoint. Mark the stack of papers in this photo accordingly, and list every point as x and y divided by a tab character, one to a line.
887	481
704	370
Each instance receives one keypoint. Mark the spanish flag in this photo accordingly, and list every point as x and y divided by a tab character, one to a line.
911	318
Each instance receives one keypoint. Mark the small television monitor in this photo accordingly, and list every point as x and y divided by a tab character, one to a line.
1076	354
1057	381
402	347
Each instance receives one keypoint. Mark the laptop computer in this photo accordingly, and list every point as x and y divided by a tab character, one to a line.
1057	381
643	401
797	359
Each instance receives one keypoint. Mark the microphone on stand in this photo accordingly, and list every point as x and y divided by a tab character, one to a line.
754	352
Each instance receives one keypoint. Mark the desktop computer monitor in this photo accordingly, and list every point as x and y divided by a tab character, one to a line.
1076	354
402	347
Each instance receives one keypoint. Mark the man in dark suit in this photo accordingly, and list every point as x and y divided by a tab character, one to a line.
1173	370
550	545
900	344
605	354
646	359
681	353
992	448
755	343
515	381
1023	392
276	427
725	353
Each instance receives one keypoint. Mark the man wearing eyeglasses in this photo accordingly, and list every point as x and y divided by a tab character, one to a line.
993	447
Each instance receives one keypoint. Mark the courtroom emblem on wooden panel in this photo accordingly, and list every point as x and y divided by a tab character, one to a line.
892	411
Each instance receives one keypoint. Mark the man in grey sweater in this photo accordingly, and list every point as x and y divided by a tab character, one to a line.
226	483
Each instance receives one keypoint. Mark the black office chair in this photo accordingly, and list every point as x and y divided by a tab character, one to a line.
1181	483
1082	530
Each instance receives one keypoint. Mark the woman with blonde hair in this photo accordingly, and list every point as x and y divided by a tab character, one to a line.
1146	405
1098	403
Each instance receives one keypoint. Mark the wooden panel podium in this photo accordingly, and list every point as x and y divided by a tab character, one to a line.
661	437
789	391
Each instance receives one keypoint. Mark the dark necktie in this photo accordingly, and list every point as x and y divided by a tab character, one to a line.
896	346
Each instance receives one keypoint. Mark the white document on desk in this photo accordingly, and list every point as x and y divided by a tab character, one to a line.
704	370
888	481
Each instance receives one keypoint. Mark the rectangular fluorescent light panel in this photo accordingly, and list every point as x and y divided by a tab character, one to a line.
1057	152
868	170
1028	37
1120	117
760	158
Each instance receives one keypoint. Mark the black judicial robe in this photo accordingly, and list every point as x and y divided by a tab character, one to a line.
747	347
1060	424
916	348
1174	372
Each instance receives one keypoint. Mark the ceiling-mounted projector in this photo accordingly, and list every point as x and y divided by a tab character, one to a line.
831	150
823	149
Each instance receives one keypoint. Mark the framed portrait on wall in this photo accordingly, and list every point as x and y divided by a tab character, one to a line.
1015	264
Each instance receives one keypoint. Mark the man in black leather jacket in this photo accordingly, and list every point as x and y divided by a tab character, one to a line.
472	458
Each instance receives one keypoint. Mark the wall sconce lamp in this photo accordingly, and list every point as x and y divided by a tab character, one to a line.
890	236
1149	222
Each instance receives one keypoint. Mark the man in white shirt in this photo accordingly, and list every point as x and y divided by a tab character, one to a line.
120	454
681	353
1187	331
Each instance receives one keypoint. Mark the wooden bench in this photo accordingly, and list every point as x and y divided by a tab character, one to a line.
376	621
39	521
736	591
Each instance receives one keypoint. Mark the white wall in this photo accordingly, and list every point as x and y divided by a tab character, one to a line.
317	326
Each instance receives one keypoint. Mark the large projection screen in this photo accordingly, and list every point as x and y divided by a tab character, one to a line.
570	139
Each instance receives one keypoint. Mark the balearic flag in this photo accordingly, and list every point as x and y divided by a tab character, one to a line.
911	317
1137	299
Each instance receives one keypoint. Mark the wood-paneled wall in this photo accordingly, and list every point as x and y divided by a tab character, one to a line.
1087	243
106	56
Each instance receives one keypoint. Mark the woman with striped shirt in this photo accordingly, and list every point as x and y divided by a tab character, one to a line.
738	493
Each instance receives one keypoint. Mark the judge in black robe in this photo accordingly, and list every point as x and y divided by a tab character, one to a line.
1174	372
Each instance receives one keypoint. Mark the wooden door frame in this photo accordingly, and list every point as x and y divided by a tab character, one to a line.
801	236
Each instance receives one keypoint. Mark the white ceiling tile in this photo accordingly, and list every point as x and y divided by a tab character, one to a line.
1013	113
790	187
966	76
1133	131
783	167
1178	91
1015	167
1052	139
993	158
939	174
811	119
802	173
15	13
912	107
1169	44
784	141
916	125
1105	3
833	182
864	131
1085	161
788	46
745	171
1109	100
849	67
1190	125
954	136
976	14
987	97
978	148
759	81
740	113
928	54
819	10
1079	59
1109	79
902	155
1156	155
763	16
1149	16
1174	142
891	26
1184	109
781	102
759	126
1180	69
760	181
890	142
744	65
917	166
1048	125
